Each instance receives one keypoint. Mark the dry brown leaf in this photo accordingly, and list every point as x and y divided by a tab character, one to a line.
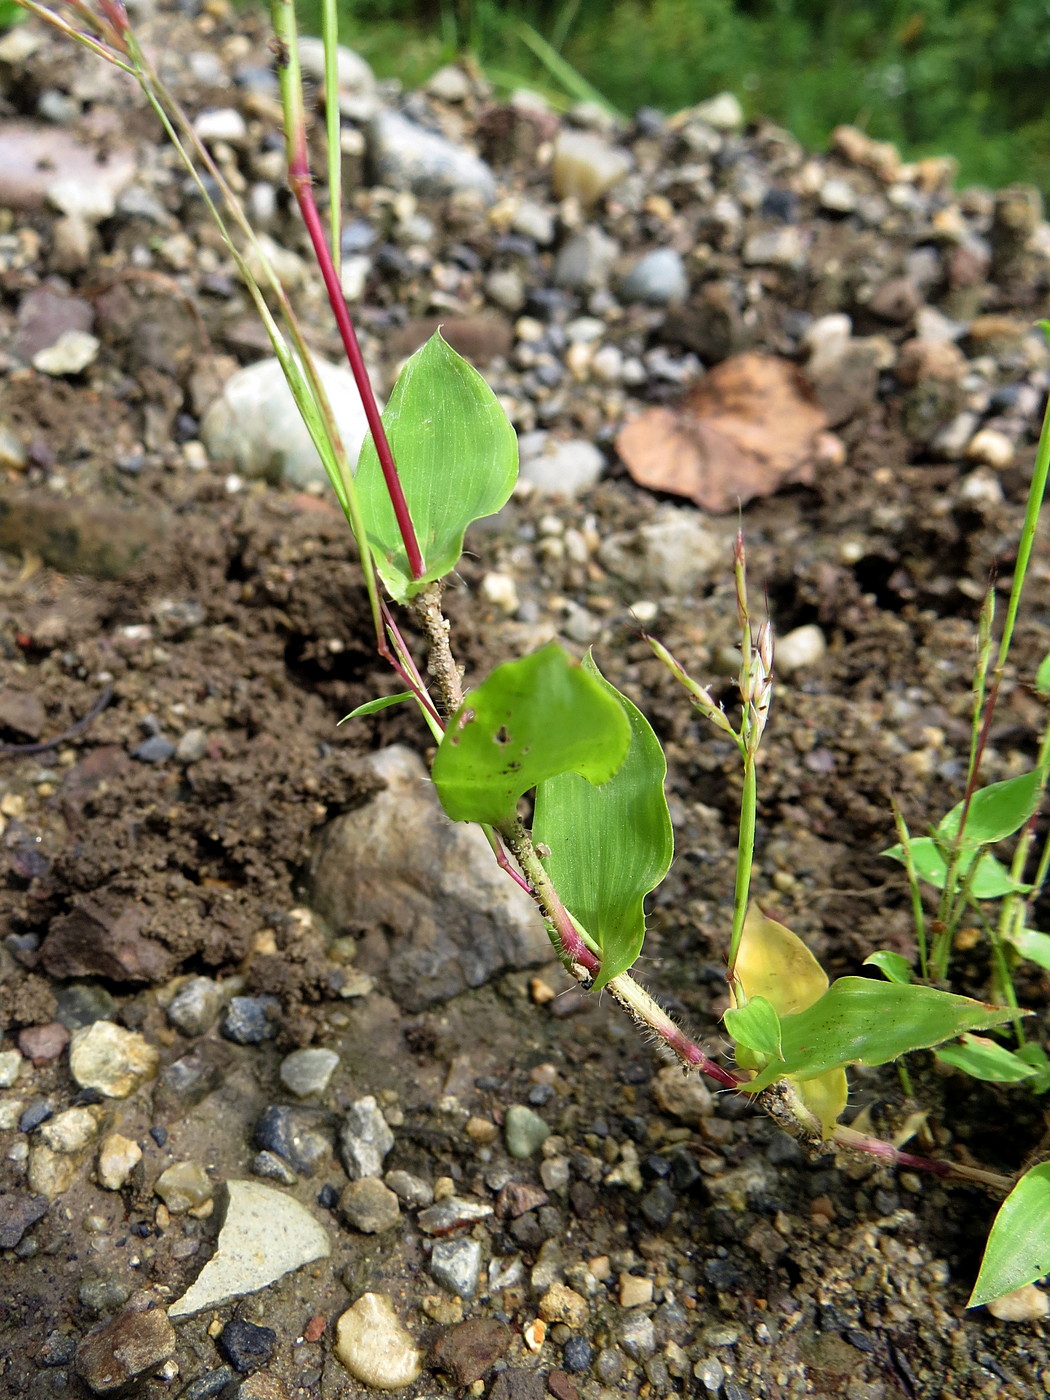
745	429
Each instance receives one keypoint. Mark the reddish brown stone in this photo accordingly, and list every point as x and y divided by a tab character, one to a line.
315	1328
129	1347
42	1044
562	1386
466	1352
517	1197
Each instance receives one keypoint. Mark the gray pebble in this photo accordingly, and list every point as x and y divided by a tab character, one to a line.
195	1007
610	1365
525	1132
272	1168
585	261
58	1350
451	1213
295	1135
255	426
564	467
18	1212
212	1383
192	746
246	1020
534	221
456	1266
82	1004
407	157
104	1294
720	1335
658	278
306	1072
638	1336
365	1139
710	1373
369	1206
411	1191
245	1345
155	749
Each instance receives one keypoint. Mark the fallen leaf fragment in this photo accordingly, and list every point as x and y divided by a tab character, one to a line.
744	430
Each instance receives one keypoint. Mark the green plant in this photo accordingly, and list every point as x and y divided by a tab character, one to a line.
443	456
931	76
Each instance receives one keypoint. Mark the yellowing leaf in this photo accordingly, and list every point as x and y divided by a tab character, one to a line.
825	1097
774	963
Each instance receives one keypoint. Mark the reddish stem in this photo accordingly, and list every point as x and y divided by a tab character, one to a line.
301	182
411	678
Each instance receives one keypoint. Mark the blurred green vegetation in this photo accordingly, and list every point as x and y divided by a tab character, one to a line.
959	77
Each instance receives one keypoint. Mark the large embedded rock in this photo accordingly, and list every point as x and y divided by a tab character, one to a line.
454	918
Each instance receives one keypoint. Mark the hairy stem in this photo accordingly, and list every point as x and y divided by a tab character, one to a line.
853	1141
441	664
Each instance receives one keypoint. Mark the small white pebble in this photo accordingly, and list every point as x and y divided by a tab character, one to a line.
981	488
195	455
607	365
800	649
501	591
578	359
992	448
645	610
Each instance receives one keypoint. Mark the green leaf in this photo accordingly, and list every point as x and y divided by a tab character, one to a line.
893	966
529	721
991	880
1036	1056
456	455
757	1026
861	1021
995	812
609	844
981	1058
1033	945
1018	1248
1042	678
372	707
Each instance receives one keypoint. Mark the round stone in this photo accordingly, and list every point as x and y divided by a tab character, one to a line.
255	426
658	278
456	1266
524	1132
245	1345
71	353
800	649
306	1072
992	448
245	1021
183	1186
72	1130
106	1057
118	1157
578	1354
374	1347
195	1007
369	1206
682	1096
